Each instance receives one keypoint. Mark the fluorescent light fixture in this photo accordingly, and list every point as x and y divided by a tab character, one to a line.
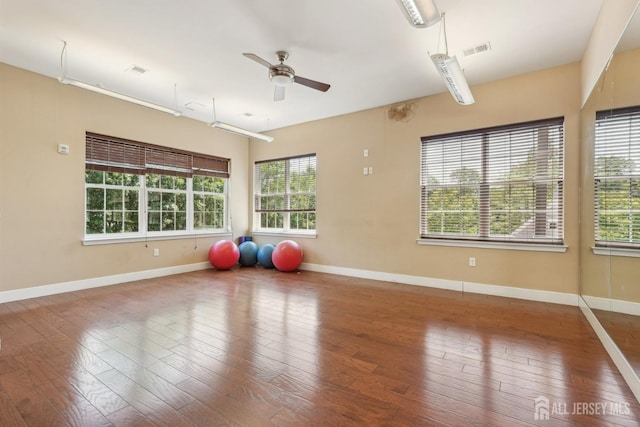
420	13
117	95
453	77
240	131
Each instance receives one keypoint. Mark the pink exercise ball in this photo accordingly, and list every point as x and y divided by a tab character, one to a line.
224	254
287	256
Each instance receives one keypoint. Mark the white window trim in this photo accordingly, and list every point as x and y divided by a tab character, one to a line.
514	246
133	239
144	236
632	253
285	231
311	234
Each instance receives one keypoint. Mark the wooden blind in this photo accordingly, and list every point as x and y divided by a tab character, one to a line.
108	153
495	184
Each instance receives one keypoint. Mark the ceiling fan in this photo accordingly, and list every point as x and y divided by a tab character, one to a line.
283	75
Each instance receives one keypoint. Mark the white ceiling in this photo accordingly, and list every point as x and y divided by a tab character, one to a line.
365	49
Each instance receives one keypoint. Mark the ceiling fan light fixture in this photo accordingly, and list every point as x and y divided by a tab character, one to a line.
453	77
420	13
281	75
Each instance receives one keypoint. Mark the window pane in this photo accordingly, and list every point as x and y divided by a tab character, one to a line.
95	199
131	200
95	222
131	180
153	221
113	222
131	222
153	181
113	178
154	200
114	199
93	177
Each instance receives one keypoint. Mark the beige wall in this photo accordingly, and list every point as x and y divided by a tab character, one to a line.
607	276
42	192
372	222
612	21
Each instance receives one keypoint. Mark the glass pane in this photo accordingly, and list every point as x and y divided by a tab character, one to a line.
131	200
168	221
95	222
196	183
113	178
113	222
198	220
95	199
181	183
131	180
181	201
153	181
131	222
93	177
168	201
153	200
167	182
114	199
181	221
153	221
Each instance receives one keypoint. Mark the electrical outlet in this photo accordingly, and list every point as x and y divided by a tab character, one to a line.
472	262
156	252
365	171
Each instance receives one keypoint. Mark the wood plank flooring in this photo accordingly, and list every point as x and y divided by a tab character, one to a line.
255	347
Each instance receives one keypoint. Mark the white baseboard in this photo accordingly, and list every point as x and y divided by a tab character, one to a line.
616	355
453	285
616	305
76	285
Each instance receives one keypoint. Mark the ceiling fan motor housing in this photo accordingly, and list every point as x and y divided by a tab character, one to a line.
281	75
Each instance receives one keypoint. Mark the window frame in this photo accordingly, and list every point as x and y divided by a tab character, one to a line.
611	138
484	184
116	155
286	211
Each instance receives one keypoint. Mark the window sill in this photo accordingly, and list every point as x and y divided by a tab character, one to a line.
285	234
633	253
115	240
494	245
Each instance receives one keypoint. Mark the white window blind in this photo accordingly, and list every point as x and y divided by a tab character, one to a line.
495	184
617	178
285	194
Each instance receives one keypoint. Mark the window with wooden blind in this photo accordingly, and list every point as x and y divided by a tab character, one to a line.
285	194
617	178
135	189
500	184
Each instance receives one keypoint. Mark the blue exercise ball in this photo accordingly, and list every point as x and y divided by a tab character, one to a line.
248	253
264	255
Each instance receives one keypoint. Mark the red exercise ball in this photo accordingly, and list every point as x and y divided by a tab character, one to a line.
224	254
287	256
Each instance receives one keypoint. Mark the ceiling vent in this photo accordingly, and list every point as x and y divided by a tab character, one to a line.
137	69
485	47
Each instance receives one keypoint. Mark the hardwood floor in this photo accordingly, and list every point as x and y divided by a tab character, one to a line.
255	347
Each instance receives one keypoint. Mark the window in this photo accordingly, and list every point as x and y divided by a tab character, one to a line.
617	178
133	189
285	194
500	184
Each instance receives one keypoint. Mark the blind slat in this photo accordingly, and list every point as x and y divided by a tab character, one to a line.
112	154
498	184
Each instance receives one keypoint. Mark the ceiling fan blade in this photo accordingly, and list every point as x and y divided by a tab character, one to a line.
323	87
278	93
258	59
